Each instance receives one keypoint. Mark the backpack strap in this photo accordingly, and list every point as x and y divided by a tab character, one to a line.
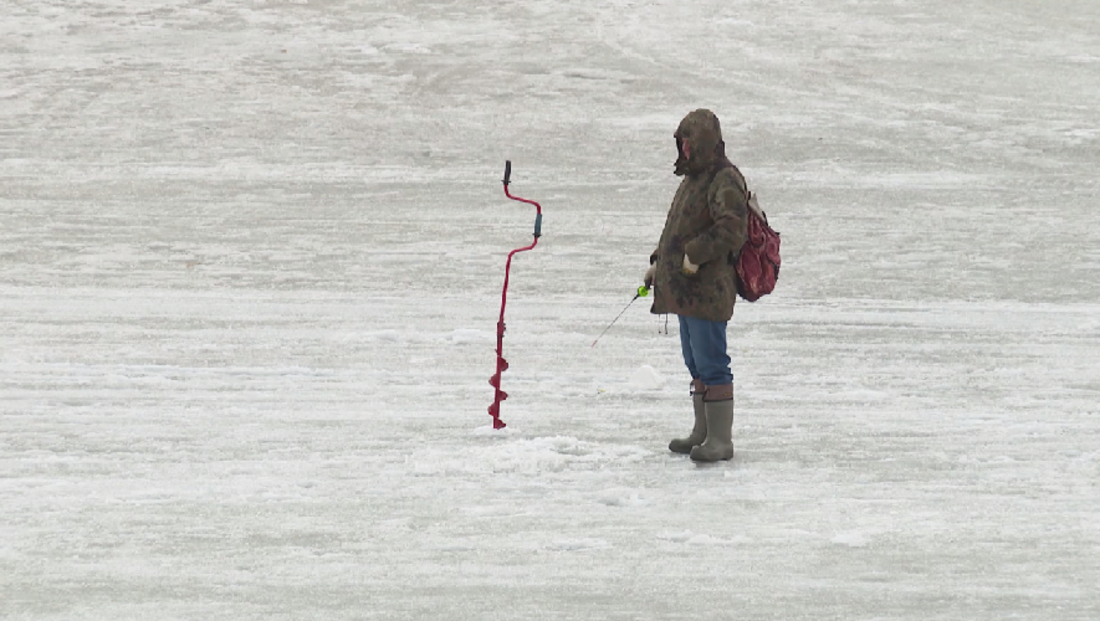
738	178
742	184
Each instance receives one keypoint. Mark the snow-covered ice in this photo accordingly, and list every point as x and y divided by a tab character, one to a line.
250	266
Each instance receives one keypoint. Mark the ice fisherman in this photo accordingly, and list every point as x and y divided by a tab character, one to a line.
693	276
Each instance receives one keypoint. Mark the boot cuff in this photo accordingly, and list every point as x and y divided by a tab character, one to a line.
720	392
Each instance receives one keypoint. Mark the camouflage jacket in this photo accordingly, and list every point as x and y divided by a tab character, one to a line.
707	222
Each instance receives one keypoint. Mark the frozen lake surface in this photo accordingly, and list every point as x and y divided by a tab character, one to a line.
251	256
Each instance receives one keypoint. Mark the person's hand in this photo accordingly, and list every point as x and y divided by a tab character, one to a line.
650	274
690	269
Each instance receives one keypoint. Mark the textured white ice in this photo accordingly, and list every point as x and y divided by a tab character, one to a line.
250	265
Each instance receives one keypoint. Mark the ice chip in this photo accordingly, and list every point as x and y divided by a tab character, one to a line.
647	378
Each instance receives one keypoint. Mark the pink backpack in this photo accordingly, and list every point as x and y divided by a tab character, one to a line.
758	265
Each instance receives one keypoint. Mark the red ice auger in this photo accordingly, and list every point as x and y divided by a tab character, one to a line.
502	364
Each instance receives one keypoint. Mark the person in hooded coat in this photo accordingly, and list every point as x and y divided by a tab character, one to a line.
693	276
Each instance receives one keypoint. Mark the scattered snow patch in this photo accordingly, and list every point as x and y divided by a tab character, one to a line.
385	336
489	430
647	378
465	336
852	540
573	545
700	539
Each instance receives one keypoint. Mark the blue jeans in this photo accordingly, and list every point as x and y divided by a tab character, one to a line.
704	345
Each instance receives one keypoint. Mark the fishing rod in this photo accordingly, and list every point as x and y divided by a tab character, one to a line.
643	291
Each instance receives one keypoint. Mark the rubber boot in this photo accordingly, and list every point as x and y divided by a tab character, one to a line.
699	431
718	445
